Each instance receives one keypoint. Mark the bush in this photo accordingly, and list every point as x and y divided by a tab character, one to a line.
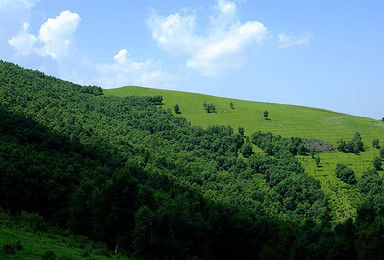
9	249
266	113
210	108
377	163
32	221
341	145
177	109
345	174
241	130
246	150
382	152
354	146
19	246
376	144
49	255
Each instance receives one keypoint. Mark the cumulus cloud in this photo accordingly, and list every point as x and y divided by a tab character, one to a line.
57	34
220	48
122	56
125	71
54	43
24	42
287	41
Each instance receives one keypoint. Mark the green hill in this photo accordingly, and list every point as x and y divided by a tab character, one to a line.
24	241
286	120
127	173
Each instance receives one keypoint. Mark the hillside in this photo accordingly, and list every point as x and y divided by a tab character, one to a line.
286	120
124	172
24	241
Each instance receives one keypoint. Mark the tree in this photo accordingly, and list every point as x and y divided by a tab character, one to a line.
266	113
302	149
246	150
382	119
317	160
241	130
344	173
356	145
231	105
177	109
382	152
341	145
313	152
377	163
210	108
376	144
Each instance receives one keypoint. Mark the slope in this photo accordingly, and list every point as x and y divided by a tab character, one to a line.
285	120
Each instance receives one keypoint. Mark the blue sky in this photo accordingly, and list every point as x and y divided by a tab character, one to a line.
327	54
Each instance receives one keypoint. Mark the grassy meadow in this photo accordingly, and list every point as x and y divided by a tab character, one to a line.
286	120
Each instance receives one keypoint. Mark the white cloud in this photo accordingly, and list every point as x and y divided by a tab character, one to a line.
223	54
24	42
286	41
126	71
57	34
122	56
221	47
174	33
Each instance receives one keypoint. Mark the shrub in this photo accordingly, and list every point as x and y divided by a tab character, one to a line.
9	249
19	246
266	113
246	150
376	144
382	152
377	163
345	174
32	221
241	130
49	255
177	109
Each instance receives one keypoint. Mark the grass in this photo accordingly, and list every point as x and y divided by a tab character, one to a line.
286	120
35	244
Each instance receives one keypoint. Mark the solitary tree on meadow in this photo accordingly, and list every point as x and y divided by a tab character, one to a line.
177	109
231	105
266	113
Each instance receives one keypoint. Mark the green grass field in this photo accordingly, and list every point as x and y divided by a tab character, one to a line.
286	120
36	244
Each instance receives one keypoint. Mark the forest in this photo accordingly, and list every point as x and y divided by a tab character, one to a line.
126	172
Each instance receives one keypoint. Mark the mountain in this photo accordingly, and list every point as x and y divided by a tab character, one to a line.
126	172
288	121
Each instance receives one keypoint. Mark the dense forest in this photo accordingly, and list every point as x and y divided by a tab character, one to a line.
128	173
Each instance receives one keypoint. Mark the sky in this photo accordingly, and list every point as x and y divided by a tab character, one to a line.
319	53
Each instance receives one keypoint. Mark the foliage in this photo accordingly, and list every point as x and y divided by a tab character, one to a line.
382	152
246	150
241	131
346	174
177	109
266	113
354	146
377	163
317	160
125	171
231	105
376	143
210	108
